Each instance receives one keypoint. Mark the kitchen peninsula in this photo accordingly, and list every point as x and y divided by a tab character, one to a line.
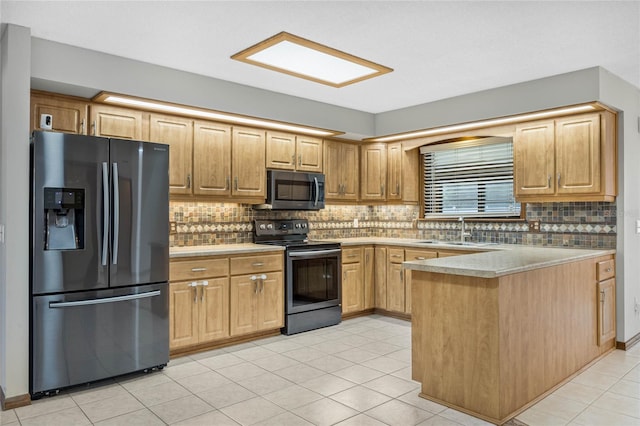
493	332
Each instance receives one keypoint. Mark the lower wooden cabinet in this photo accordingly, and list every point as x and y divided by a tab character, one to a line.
606	285
198	301
395	280
257	293
257	303
357	279
217	297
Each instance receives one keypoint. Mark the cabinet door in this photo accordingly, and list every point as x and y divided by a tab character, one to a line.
242	305
606	311
411	254
309	152
381	277
368	278
332	170
67	115
271	302
350	171
183	315
281	151
394	171
113	122
395	288
578	155
211	159
374	171
352	289
214	309
248	163
534	159
177	132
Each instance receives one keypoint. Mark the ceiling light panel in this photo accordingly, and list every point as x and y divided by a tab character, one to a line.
306	59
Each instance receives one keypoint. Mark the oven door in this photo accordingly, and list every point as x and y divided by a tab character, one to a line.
313	279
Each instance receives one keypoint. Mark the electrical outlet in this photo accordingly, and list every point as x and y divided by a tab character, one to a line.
636	305
565	240
173	228
355	223
534	226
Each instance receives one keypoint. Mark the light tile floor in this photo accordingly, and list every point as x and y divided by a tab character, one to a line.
355	373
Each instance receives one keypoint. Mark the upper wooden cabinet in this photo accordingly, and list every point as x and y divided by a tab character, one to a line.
341	168
120	123
388	173
293	152
67	114
566	159
177	132
247	160
373	171
211	158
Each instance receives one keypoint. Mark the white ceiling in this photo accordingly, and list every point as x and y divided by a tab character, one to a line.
438	49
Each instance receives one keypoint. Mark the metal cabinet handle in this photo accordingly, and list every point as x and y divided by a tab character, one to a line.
262	278
602	296
558	179
549	181
256	264
395	255
204	284
194	286
352	255
227	183
198	269
420	258
93	127
254	279
235	182
189	180
82	126
382	190
293	159
300	160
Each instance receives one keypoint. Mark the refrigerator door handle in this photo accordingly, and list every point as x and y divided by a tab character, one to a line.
116	214
55	305
105	212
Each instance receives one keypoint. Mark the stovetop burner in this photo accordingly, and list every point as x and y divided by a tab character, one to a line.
290	233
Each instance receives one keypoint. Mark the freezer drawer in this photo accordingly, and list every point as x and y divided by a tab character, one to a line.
87	336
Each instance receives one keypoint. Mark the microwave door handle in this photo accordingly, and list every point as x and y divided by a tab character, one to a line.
315	181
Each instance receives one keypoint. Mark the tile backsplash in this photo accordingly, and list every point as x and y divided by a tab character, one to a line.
575	224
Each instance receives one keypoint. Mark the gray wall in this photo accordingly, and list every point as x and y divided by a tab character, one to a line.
78	71
14	211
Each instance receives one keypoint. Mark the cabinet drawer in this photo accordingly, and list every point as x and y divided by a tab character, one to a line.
419	254
605	269
351	255
396	255
181	270
253	264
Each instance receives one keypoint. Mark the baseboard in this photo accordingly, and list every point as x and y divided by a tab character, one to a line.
402	316
189	350
625	346
14	401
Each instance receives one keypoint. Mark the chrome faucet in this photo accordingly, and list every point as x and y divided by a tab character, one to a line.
463	232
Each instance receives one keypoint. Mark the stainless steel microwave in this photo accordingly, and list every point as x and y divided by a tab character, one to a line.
293	191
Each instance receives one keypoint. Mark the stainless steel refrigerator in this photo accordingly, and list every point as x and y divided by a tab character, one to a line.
99	259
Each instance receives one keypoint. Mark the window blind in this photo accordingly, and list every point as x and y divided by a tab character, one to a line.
469	178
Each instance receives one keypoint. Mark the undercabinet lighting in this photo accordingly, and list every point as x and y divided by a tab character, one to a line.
208	114
307	59
481	124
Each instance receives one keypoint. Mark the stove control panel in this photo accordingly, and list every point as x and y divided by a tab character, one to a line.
281	227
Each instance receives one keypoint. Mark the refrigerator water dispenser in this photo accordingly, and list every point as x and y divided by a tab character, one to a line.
64	219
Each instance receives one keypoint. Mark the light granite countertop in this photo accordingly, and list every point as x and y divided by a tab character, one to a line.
419	243
508	260
221	249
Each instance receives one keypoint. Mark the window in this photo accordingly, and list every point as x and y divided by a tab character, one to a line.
469	178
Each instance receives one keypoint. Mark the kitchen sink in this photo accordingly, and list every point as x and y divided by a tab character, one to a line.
455	243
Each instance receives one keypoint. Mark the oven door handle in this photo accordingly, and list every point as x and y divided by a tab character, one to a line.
313	253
